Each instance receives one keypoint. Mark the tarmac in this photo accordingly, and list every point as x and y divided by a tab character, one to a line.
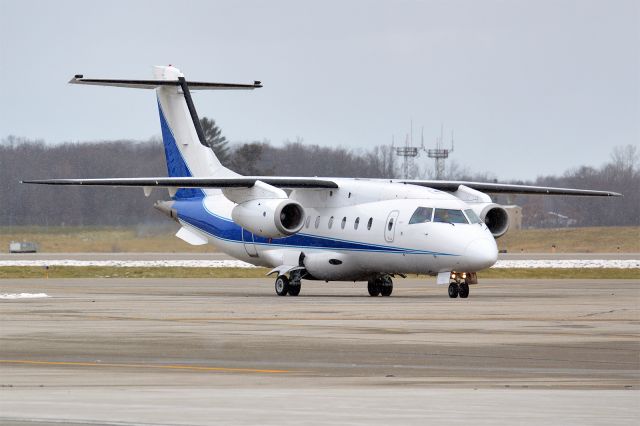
229	351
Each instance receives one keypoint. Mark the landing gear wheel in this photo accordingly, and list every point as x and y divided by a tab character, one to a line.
453	290
282	285
294	290
463	290
373	288
386	286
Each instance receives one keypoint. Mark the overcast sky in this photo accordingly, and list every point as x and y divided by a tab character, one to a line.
529	87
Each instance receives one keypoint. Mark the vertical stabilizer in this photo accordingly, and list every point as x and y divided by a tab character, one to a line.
185	154
183	138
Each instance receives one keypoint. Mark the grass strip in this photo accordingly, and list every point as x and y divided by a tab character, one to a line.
11	272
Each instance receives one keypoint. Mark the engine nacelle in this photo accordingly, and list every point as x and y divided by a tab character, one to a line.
270	217
495	217
329	266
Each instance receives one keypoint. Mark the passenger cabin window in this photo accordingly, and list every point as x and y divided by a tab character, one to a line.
344	222
308	221
421	215
356	223
449	216
330	222
472	216
317	222
369	223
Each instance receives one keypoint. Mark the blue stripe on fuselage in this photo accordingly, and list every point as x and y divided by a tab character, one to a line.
195	213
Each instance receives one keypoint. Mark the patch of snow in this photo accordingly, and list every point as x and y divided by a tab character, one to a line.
22	295
559	263
568	263
132	263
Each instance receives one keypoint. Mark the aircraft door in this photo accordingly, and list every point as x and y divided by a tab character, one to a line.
249	246
390	226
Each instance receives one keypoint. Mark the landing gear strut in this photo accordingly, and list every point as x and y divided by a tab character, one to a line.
380	286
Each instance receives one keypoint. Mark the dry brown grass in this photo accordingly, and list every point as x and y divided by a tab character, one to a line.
613	239
101	240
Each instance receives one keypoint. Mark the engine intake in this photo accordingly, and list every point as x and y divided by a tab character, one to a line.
496	218
270	217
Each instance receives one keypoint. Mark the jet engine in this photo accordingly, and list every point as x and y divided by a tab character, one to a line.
495	217
270	217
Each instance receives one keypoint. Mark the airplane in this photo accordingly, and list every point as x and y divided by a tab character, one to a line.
317	228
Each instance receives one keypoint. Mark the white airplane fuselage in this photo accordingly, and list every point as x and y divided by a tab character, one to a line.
390	244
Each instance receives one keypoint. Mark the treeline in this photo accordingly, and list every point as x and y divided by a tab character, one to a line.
620	174
24	204
22	159
53	206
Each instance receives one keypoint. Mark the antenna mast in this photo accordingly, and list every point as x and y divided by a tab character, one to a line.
440	154
408	152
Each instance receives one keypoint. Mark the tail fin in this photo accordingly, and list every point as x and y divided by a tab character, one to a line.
182	135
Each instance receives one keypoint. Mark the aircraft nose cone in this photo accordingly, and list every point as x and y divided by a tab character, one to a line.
481	254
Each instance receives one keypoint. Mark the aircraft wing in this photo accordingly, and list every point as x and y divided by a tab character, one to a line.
316	183
503	188
196	182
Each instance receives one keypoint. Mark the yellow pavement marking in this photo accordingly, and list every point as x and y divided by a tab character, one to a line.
159	366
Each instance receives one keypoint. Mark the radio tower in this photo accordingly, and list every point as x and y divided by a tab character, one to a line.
440	154
407	152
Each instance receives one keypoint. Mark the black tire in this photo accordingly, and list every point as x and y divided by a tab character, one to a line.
373	288
453	290
463	291
294	290
386	287
282	285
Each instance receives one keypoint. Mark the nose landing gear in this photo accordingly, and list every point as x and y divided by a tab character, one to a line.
459	284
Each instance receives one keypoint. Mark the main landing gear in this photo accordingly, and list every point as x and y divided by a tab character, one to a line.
380	286
459	284
288	286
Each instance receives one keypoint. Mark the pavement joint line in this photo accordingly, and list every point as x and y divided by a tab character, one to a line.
151	366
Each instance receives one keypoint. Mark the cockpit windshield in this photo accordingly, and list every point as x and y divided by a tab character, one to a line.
472	216
449	216
421	215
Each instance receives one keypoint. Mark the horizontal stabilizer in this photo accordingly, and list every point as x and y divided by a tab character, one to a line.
153	84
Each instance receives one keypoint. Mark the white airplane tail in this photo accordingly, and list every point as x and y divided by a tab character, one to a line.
181	132
184	142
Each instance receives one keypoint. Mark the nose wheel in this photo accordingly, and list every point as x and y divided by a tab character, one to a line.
458	287
454	289
463	290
